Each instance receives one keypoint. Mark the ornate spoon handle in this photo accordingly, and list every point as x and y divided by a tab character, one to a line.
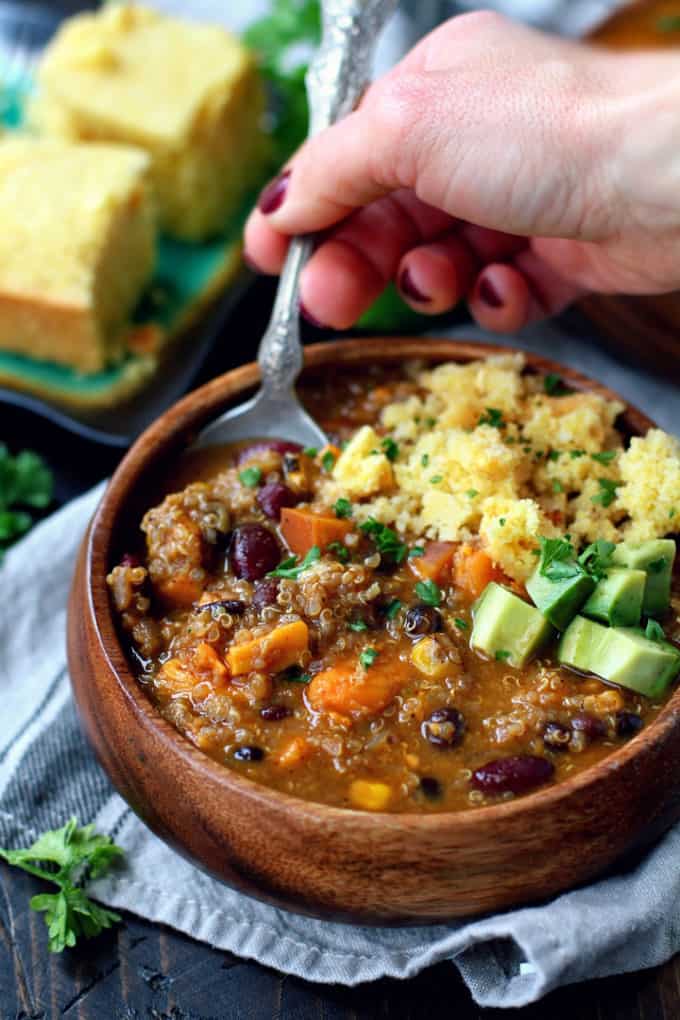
335	81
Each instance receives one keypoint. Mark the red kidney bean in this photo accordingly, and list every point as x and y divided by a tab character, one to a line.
265	593
272	498
249	753
628	724
276	445
590	725
254	551
444	728
556	736
517	774
274	713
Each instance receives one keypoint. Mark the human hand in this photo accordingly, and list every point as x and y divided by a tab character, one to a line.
494	163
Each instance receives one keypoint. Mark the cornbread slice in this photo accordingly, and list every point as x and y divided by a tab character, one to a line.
189	94
77	247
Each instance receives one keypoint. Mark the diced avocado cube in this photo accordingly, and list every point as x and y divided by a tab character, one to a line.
508	628
656	559
621	655
617	599
559	601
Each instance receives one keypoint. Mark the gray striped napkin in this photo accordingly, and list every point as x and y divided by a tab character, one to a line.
627	921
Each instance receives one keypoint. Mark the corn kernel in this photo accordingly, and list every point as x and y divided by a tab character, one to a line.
370	796
429	658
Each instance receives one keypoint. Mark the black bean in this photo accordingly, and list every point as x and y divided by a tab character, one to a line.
556	736
265	593
254	551
431	787
274	713
235	607
444	728
290	464
272	498
517	774
422	619
276	445
627	724
249	753
589	725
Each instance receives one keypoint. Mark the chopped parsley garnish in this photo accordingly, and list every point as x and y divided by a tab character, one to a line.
357	625
25	484
607	494
596	557
368	657
251	477
430	422
294	675
575	454
341	551
328	460
461	624
342	508
554	386
71	854
471	493
310	451
386	540
554	455
672	512
436	479
558	560
501	521
654	631
428	592
656	566
502	655
425	459
392	609
492	417
416	551
390	448
604	457
291	569
557	485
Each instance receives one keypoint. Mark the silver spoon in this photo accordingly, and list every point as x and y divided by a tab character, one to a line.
335	81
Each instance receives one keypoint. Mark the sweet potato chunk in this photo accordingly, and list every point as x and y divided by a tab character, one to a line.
294	752
435	563
474	570
271	653
180	590
302	529
350	689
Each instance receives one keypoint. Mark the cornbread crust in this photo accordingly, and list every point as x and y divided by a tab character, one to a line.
189	94
76	249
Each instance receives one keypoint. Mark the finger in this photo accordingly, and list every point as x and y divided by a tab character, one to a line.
264	248
434	277
505	298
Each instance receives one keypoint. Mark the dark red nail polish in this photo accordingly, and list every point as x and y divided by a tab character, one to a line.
250	262
273	195
487	293
408	288
307	315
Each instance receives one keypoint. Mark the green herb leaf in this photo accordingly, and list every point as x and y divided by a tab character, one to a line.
558	559
294	675
341	551
502	655
357	625
342	508
368	657
554	455
604	457
654	631
26	484
575	454
607	494
436	479
390	448
596	557
291	569
492	417
416	551
425	459
471	493
428	592
657	566
430	422
251	477
554	386
72	854
672	512
557	485
386	540
328	460
392	609
461	624
310	451
501	521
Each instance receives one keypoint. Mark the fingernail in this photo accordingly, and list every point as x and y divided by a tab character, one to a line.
250	262
409	289
306	314
487	293
273	195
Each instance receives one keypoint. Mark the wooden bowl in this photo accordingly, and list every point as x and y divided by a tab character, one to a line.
324	860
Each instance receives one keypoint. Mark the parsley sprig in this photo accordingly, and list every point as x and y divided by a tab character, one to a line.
25	484
559	562
291	569
66	857
387	541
